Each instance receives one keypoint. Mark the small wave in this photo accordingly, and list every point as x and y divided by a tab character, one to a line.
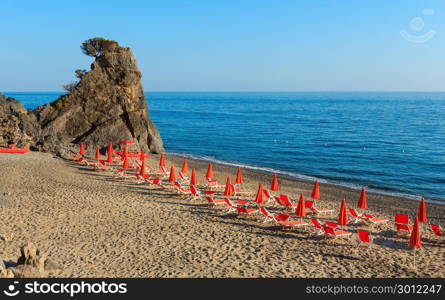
246	166
306	178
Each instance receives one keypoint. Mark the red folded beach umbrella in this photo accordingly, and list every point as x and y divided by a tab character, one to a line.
414	241
300	211
172	174
259	195
125	153
143	155
142	158
362	203
315	191
97	154
185	167
193	180
343	217
126	164
209	173
228	191
110	153
421	212
162	160
82	149
239	177
274	185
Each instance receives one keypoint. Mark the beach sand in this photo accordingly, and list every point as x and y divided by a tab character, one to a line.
97	225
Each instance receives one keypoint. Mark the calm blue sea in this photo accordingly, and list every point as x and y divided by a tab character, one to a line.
389	142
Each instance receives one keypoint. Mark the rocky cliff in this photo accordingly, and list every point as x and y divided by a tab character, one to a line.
17	125
107	104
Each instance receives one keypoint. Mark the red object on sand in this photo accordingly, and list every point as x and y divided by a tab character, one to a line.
110	153
172	174
343	217
142	170
228	191
143	156
13	149
362	203
185	167
301	207
127	142
421	212
193	180
125	153
126	164
82	149
209	173
239	177
162	160
414	241
97	154
274	185
315	191
259	195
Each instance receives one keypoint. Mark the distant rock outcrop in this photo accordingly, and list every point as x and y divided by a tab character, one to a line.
107	105
17	125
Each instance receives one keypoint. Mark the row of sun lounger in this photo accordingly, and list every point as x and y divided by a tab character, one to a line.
209	191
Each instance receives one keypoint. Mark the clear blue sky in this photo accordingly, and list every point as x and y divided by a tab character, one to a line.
239	45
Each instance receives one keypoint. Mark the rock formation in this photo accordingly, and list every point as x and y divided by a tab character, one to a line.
30	264
17	125
107	105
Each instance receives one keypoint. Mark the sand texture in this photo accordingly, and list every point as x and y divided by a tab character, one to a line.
95	224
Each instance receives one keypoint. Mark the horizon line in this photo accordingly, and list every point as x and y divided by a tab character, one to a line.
260	91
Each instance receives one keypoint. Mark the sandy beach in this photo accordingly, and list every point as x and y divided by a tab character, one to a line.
97	225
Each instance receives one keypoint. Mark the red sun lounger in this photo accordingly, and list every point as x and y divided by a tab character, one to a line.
281	219
318	230
437	230
374	220
402	223
214	202
331	224
329	231
181	189
355	215
401	219
364	237
404	228
244	192
196	194
311	206
246	210
268	196
285	199
270	216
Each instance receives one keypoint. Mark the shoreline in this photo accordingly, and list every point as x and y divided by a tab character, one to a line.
330	194
307	179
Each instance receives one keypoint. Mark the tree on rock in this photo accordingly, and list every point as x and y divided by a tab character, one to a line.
96	47
69	87
80	73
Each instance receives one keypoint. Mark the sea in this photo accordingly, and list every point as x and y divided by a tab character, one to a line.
389	142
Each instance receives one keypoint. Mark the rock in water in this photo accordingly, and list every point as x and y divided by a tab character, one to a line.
107	105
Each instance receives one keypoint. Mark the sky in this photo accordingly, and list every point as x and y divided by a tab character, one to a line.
239	45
